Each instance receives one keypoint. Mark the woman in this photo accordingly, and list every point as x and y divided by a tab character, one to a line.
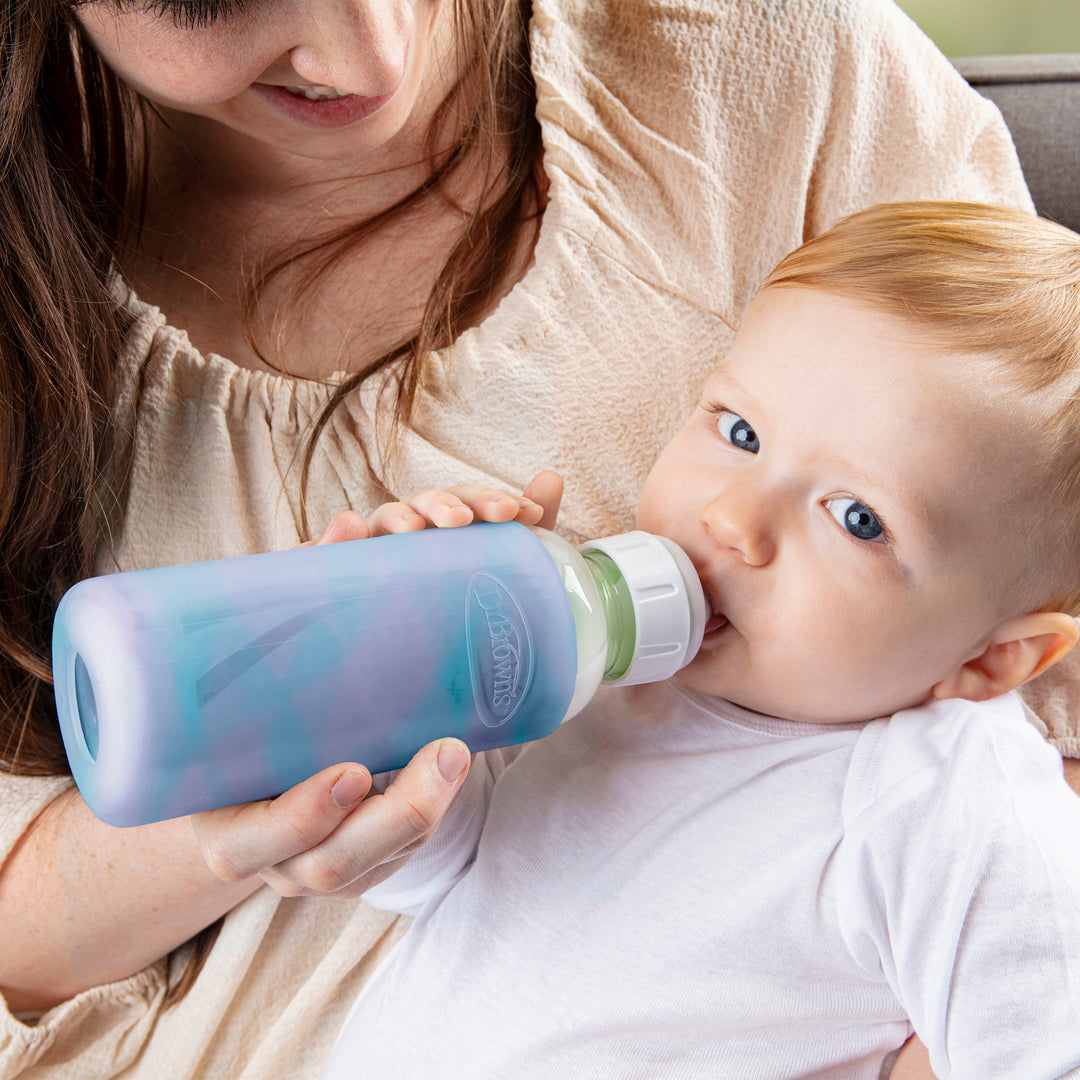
239	240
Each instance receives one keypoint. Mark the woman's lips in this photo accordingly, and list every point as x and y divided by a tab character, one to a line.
330	112
715	622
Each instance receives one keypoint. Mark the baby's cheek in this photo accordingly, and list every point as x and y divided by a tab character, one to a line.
831	664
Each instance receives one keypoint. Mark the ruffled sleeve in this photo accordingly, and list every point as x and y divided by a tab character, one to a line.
104	1028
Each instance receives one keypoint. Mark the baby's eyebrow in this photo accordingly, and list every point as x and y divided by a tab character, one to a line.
900	501
721	379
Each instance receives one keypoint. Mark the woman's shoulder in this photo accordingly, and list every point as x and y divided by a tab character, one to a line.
650	36
697	67
711	136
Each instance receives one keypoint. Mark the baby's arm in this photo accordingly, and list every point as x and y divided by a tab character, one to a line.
343	863
965	860
442	859
912	1063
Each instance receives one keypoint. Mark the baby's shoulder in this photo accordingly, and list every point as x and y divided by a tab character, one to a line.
949	752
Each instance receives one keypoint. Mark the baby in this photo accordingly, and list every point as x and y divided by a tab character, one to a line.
836	826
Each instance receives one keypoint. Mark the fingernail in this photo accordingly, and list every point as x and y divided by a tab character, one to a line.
349	788
453	759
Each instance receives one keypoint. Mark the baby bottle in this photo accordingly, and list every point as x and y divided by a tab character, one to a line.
191	687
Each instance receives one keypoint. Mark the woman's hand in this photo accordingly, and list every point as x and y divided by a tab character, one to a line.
329	834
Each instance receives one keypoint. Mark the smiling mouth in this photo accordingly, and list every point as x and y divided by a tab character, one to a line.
316	93
319	106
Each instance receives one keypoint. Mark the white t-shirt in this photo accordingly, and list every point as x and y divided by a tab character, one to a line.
669	886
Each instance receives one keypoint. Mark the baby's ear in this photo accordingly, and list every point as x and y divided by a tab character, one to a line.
1018	650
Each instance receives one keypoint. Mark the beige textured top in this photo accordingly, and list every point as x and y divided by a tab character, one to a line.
689	145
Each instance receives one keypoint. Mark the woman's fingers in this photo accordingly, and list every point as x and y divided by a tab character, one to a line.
325	835
239	842
382	831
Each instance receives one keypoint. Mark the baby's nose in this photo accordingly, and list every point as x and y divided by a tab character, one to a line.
741	520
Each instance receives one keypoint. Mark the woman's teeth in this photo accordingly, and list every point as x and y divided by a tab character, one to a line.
315	93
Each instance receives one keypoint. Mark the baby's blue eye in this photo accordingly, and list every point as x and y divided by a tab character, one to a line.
857	518
737	432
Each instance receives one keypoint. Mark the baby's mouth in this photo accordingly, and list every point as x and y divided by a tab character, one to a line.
715	621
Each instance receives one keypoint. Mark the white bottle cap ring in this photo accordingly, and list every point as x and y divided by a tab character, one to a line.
669	603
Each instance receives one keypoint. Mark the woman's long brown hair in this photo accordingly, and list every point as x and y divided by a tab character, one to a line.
487	125
64	201
71	191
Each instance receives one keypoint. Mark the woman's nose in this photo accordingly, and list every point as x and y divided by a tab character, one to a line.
742	520
356	46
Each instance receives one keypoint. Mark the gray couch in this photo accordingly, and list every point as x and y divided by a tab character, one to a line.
1039	96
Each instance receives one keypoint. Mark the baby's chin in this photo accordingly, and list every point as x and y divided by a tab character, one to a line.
808	690
779	707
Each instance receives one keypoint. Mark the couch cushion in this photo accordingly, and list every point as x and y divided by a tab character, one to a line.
1039	96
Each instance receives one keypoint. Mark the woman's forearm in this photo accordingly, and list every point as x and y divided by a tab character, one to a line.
86	903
